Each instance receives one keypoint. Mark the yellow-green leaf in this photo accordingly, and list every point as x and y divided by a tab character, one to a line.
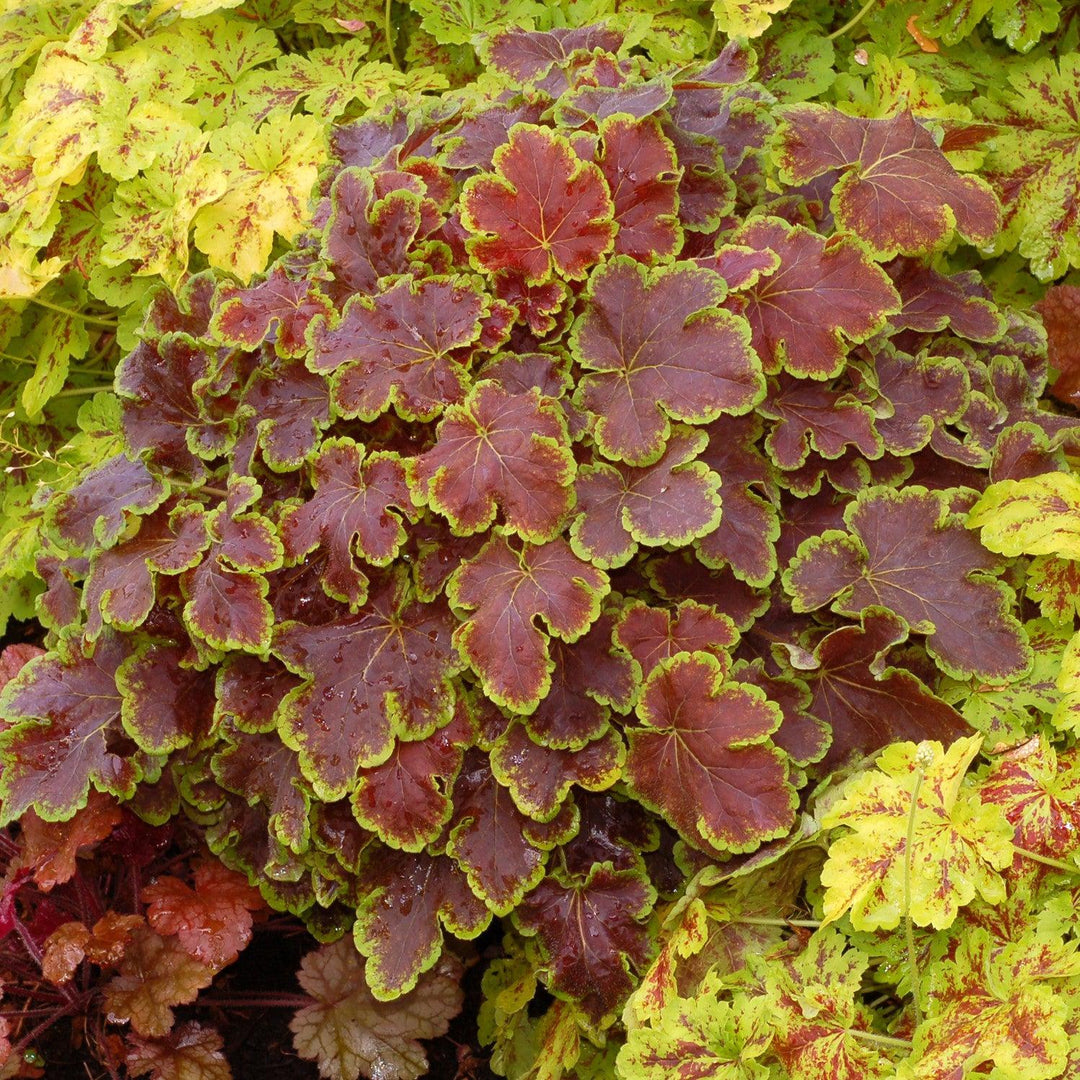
1039	515
957	843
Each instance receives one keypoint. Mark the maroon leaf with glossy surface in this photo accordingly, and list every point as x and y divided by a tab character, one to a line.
657	348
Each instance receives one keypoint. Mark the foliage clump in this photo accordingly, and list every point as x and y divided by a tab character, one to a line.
544	523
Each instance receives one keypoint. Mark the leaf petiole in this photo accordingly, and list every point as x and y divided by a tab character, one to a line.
91	320
852	22
1057	864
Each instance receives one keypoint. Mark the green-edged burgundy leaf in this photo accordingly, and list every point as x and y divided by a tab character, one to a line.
227	608
591	934
713	735
906	552
349	1033
120	587
1060	311
399	923
823	295
167	703
867	703
749	524
612	830
506	590
263	769
350	514
653	634
162	386
250	689
897	190
373	676
510	451
406	799
657	348
540	777
639	165
525	55
590	675
816	416
673	501
289	407
278	309
931	301
63	717
542	210
500	849
395	348
366	237
802	735
923	393
94	513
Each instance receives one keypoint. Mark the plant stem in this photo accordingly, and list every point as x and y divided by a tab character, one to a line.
13	359
92	320
909	929
389	35
1057	864
882	1040
79	391
852	22
256	1001
812	924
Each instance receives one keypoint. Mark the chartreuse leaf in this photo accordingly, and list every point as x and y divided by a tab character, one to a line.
1020	24
922	843
1032	161
746	18
699	1039
1039	515
1008	1005
815	1012
1054	584
270	174
461	22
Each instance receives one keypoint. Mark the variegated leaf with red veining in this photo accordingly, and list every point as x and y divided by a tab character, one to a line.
396	682
591	934
349	515
897	190
505	590
822	297
188	1052
543	210
399	923
657	348
499	451
1038	789
715	736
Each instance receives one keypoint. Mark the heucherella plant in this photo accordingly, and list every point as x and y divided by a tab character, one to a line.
559	488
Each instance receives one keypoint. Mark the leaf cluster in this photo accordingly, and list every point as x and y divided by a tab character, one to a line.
556	522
